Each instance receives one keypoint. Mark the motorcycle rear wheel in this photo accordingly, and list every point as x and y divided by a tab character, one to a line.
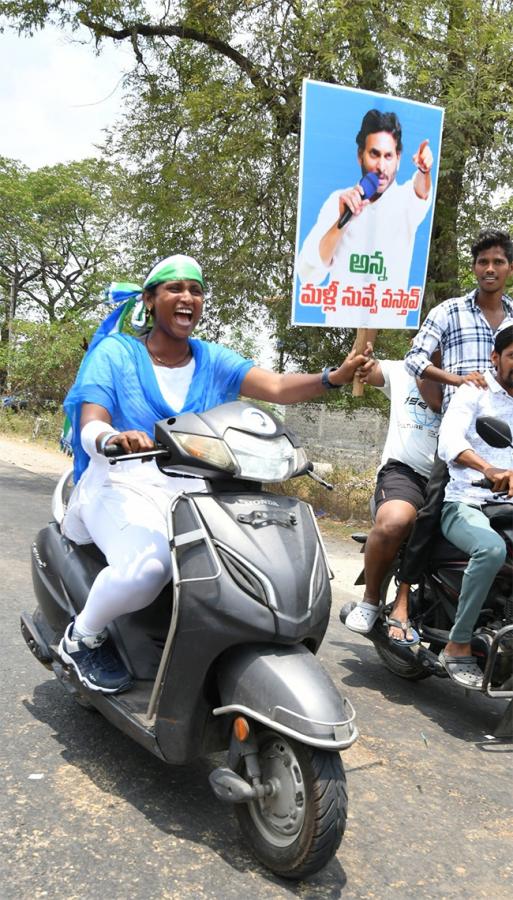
296	831
410	671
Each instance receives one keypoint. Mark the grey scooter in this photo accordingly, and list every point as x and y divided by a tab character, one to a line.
224	659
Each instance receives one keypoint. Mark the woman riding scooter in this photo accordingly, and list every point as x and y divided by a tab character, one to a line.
123	386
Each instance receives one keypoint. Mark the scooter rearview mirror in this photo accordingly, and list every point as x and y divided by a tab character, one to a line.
494	431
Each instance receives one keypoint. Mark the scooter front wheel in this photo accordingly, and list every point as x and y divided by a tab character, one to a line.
297	829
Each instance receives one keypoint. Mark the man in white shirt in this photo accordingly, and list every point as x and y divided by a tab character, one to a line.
463	522
381	229
403	474
464	328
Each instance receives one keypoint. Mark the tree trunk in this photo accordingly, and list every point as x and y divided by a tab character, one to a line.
11	312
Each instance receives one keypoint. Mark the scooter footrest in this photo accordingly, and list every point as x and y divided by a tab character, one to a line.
35	642
230	787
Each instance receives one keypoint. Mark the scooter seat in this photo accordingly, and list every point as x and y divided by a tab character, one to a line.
139	636
94	553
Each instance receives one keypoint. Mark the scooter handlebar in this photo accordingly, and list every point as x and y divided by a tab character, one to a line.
116	454
309	470
111	450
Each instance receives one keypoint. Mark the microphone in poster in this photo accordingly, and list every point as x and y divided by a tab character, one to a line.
369	184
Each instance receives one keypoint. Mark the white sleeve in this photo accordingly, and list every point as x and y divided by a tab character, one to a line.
310	267
386	366
90	432
418	207
456	423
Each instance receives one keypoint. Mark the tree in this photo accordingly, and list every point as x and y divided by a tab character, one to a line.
60	242
46	359
60	231
215	112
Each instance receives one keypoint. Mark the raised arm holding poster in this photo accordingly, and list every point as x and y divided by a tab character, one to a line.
363	231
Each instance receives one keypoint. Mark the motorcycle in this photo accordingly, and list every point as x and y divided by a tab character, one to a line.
433	602
224	658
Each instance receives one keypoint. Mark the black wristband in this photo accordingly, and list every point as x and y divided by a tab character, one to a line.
325	380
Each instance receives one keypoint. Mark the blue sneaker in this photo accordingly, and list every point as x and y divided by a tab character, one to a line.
95	662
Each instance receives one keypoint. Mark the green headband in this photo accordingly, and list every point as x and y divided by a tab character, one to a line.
174	268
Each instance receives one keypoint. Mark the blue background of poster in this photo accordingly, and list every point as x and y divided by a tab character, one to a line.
332	117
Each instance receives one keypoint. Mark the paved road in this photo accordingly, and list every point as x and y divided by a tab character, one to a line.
88	814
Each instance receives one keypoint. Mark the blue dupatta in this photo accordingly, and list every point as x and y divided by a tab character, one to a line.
117	374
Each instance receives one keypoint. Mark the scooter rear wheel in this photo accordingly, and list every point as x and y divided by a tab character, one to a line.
296	830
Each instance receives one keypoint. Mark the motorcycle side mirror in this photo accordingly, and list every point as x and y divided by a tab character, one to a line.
495	432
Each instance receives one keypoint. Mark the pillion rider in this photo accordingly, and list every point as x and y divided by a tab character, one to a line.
402	478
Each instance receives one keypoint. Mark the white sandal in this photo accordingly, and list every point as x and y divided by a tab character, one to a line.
363	617
463	670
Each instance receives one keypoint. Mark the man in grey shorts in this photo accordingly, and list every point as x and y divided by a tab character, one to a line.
400	488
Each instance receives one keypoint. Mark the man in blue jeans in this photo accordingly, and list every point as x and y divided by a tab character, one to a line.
463	523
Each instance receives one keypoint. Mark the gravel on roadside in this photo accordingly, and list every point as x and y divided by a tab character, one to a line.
32	456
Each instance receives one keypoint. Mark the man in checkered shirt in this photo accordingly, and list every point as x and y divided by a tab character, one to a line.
464	328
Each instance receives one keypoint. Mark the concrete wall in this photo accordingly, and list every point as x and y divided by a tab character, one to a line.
335	437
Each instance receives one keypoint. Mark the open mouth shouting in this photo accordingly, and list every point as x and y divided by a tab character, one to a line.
183	315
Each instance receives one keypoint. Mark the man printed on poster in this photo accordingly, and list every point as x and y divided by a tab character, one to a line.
364	237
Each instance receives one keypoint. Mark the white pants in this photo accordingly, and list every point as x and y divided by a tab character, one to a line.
129	527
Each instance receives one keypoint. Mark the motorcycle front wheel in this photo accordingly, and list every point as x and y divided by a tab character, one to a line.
297	829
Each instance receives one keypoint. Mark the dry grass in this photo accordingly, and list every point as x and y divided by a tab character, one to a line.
44	426
347	502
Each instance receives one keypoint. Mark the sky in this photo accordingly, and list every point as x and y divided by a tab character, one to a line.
54	96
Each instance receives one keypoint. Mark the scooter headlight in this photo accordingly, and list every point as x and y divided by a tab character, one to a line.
208	449
274	459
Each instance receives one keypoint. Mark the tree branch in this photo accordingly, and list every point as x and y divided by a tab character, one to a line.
270	95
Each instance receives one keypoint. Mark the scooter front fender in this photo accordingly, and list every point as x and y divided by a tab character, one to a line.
287	689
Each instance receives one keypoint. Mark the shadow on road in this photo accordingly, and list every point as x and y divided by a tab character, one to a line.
175	799
467	716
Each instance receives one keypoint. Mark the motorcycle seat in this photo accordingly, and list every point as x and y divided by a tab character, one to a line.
445	552
499	514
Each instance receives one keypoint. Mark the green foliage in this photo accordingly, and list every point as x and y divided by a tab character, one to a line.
210	137
44	425
43	359
60	228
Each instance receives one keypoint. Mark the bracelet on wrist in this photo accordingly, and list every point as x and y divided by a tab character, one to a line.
423	171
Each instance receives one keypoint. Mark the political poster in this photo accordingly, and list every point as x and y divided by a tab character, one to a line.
368	173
